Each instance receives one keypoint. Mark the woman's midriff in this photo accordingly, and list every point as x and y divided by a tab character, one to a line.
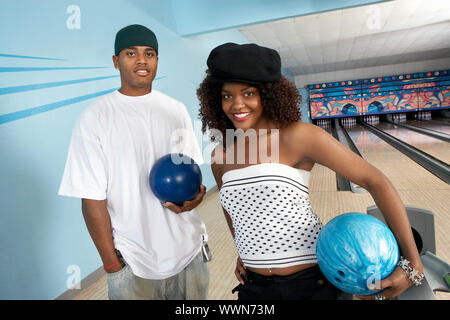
281	271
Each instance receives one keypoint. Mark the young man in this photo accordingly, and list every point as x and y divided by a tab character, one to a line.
149	250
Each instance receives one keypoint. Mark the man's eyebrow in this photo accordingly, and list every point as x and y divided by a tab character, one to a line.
146	49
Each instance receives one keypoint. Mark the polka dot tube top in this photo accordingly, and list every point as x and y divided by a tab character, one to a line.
269	206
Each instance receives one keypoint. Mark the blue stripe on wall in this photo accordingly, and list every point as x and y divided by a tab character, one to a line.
28	57
17	69
49	85
48	107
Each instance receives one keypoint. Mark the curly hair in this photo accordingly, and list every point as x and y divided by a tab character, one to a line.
280	101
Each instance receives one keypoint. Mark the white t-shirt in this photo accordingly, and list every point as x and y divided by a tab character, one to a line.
114	144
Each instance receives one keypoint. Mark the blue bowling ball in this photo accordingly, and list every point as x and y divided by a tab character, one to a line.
355	250
176	178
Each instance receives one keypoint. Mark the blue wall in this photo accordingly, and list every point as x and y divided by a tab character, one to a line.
52	68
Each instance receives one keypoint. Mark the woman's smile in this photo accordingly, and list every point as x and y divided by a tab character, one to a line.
242	116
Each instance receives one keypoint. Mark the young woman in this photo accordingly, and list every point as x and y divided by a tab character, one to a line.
265	197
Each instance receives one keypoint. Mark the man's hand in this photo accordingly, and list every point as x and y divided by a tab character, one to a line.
114	269
187	205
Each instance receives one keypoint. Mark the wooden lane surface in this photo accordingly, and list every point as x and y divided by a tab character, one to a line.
435	147
430	125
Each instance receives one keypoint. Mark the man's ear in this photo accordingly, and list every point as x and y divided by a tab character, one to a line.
116	61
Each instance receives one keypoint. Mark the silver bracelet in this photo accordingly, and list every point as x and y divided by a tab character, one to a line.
412	273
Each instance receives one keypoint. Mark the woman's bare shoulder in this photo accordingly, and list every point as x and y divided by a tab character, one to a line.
299	131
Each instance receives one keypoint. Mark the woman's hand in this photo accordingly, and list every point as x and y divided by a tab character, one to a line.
240	270
393	285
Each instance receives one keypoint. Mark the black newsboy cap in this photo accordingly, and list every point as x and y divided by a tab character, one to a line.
249	63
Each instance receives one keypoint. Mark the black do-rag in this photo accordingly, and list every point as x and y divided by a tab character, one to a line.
135	35
250	63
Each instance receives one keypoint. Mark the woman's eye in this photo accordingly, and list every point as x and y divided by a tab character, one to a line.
249	93
226	96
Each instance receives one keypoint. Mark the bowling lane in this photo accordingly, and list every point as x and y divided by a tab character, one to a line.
430	125
433	146
404	173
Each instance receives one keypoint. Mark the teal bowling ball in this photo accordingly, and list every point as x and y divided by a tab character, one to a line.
356	250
